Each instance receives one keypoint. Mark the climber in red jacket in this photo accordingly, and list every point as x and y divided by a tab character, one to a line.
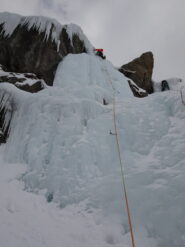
99	52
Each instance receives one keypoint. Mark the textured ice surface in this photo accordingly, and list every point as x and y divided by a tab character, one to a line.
62	135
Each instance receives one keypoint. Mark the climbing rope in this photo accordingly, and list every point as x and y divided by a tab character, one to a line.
125	197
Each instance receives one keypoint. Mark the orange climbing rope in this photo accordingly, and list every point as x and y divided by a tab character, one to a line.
121	164
122	174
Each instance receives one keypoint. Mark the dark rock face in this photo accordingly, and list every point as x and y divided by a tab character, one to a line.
29	51
27	81
33	88
140	71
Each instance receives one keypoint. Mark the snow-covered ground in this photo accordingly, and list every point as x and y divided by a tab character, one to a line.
27	220
60	148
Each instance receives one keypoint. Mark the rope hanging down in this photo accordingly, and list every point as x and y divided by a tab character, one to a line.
125	197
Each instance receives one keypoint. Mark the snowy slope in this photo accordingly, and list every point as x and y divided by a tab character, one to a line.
61	135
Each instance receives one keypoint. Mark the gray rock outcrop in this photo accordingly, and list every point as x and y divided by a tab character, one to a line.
140	71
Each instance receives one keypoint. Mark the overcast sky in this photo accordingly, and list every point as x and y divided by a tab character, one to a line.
124	28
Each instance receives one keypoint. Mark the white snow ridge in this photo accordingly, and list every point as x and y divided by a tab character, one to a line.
60	147
42	24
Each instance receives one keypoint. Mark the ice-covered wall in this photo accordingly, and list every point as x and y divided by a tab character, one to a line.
62	133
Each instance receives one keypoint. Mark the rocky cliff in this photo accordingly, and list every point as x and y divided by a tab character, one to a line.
140	71
37	44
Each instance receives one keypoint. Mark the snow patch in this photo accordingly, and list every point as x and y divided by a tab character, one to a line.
138	89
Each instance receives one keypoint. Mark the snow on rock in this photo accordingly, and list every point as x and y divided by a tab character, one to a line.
25	81
44	24
73	29
49	42
137	91
10	22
